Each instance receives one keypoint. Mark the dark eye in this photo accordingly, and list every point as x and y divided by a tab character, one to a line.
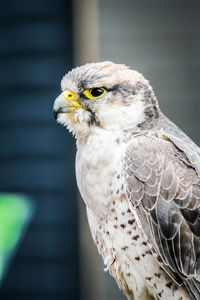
96	92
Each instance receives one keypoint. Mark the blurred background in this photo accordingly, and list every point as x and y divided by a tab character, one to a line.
46	251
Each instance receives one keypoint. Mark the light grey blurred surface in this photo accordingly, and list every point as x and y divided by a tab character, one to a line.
161	39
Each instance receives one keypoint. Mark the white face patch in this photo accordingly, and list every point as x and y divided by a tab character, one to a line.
115	116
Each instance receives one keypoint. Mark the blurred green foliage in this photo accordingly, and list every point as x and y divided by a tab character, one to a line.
15	213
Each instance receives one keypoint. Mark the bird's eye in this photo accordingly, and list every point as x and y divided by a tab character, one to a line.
94	93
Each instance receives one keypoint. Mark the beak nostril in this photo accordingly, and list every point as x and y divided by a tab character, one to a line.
71	98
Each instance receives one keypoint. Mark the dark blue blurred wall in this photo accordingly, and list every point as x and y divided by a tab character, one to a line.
36	154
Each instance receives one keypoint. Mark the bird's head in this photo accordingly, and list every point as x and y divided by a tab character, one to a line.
107	96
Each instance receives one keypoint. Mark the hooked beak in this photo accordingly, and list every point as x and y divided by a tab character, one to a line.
65	103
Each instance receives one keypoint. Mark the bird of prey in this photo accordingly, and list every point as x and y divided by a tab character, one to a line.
139	176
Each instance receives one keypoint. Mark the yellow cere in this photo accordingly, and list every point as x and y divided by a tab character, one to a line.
68	95
95	93
71	97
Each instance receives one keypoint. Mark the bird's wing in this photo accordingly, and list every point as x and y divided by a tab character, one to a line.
164	188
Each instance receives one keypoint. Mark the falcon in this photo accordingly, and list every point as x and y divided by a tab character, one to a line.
139	176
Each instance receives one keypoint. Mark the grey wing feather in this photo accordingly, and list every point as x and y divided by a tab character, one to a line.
163	184
180	140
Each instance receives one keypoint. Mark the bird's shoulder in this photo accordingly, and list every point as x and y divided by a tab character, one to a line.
166	138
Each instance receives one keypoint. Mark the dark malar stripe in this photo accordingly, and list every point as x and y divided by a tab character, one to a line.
93	120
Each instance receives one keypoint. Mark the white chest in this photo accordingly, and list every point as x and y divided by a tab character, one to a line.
98	164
